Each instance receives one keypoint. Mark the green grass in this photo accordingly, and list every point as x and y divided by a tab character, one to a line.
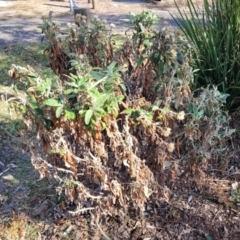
118	40
19	54
10	123
23	175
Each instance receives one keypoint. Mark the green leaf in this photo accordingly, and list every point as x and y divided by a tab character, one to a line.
140	61
22	108
109	109
101	100
59	111
100	111
154	108
88	116
52	102
74	63
199	114
142	27
129	111
94	93
99	81
72	84
97	75
69	113
156	57
33	105
146	43
180	58
119	98
111	66
48	124
15	88
158	102
32	75
14	127
70	90
104	126
123	87
209	238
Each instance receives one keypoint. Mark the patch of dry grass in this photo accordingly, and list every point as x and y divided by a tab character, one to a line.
19	227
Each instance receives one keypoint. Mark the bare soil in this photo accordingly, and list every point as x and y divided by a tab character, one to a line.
19	20
36	9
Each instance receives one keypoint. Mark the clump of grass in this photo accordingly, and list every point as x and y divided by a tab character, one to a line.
24	53
215	33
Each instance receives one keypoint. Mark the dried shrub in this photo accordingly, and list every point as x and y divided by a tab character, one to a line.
121	127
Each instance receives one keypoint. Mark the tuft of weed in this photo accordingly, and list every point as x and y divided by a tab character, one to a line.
214	32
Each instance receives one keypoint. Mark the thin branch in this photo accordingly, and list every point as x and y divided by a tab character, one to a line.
4	171
103	233
81	210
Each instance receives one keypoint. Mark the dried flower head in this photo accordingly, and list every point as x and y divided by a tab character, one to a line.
170	147
96	18
167	37
178	33
173	39
69	24
81	56
104	21
112	25
78	18
166	132
181	115
84	22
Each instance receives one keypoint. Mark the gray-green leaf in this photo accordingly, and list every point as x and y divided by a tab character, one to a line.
52	102
88	116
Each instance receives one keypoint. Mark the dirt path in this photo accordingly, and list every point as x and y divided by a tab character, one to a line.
19	19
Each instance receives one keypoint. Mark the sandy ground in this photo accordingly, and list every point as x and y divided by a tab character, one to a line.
19	19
